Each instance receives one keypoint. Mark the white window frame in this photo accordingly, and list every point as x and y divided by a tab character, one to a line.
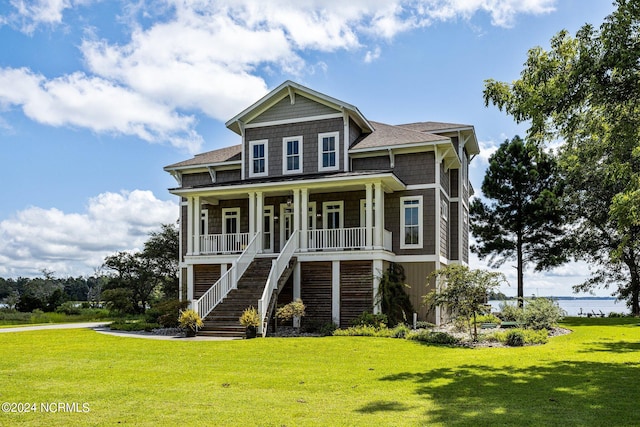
285	157
419	205
232	212
363	213
252	173
204	222
321	152
325	213
444	210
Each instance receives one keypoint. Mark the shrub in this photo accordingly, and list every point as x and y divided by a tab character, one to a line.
327	329
69	308
424	325
166	313
291	310
370	319
400	331
250	317
530	336
430	337
515	338
542	313
190	319
487	318
357	331
511	313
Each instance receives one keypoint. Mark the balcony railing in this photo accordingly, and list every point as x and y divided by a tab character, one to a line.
337	238
223	243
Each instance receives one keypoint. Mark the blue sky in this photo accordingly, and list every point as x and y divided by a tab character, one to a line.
97	96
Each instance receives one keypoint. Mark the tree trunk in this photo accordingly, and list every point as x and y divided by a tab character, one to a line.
635	290
520	268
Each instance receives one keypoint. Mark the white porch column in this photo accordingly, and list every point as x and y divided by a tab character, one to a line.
304	225
189	225
335	292
377	273
378	238
252	214
259	218
369	215
197	218
296	209
296	290
190	282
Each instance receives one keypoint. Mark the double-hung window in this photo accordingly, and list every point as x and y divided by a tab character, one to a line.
258	161
328	151
411	226
292	155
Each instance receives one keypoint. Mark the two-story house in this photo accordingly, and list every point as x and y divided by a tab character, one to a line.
314	203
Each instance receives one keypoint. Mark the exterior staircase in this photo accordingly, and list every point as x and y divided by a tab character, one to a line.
223	319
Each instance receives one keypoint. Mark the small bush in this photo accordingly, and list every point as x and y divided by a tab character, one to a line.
400	331
430	337
327	329
487	318
530	336
291	310
511	313
166	313
515	338
69	308
424	325
618	315
357	331
542	313
250	317
370	319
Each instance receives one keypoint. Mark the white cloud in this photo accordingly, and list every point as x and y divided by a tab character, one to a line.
77	243
372	55
96	104
184	58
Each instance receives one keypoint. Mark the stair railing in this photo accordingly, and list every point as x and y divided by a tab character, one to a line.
278	266
229	280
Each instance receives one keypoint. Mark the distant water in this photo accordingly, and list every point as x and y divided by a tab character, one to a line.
575	306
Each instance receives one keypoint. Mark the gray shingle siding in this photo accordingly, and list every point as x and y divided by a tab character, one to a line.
309	132
453	182
453	231
415	168
444	178
370	163
228	176
392	221
303	107
444	229
196	179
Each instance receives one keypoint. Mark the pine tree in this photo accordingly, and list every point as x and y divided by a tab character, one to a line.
521	219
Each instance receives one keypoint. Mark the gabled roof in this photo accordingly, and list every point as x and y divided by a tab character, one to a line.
289	88
434	126
384	136
441	128
223	155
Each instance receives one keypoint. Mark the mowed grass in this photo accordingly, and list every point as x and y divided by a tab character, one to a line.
589	377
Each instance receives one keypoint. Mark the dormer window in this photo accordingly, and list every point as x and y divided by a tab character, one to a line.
327	151
258	161
292	155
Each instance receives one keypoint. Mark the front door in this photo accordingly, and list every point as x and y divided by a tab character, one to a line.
332	222
286	223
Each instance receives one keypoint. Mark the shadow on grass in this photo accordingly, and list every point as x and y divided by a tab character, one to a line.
599	321
383	406
560	393
613	347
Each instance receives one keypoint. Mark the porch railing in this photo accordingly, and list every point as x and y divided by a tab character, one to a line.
223	243
278	266
337	238
229	280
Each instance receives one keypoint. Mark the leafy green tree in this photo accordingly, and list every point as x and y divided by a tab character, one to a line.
585	91
394	301
133	277
161	249
521	218
464	292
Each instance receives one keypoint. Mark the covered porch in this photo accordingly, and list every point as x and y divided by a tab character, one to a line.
339	213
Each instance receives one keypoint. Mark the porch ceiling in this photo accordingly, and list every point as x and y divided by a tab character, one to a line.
335	182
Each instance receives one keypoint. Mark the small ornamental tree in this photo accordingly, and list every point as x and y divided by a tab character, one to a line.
464	292
392	297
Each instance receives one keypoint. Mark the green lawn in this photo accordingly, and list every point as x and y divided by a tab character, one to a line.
589	377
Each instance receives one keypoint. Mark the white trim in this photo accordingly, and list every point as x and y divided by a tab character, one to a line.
363	212
336	152
335	291
420	219
236	213
340	210
285	169
268	213
294	120
265	143
422	186
444	210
